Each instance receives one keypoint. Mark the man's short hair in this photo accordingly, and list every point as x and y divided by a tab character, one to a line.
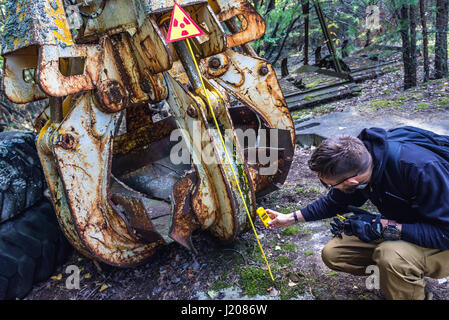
340	156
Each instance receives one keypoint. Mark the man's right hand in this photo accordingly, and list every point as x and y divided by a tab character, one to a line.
279	219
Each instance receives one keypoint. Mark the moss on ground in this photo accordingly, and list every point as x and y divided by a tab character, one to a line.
422	106
308	253
220	285
384	104
289	247
288	289
291	230
301	113
284	261
442	102
255	281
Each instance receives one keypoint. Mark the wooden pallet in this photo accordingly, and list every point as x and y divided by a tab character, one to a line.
321	86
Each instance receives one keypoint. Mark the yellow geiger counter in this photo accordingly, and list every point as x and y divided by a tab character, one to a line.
263	215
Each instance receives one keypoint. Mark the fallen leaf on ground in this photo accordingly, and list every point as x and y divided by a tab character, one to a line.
274	292
190	273
291	283
104	287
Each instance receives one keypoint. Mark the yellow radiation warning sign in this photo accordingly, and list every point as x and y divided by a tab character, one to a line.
181	26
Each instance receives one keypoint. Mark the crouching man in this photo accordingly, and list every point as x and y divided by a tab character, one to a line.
405	173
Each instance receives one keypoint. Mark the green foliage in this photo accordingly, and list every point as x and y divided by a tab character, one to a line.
422	106
291	230
384	104
220	285
289	247
308	253
289	291
283	260
313	84
254	280
442	102
309	98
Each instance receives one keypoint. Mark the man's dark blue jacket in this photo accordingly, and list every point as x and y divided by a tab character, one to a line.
416	194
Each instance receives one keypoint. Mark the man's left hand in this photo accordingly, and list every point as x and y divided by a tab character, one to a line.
366	231
365	225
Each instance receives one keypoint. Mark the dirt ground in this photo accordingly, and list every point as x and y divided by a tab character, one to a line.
231	272
238	271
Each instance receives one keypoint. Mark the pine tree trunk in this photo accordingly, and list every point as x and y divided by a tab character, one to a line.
425	40
318	54
413	62
284	67
441	39
306	11
271	5
403	14
281	47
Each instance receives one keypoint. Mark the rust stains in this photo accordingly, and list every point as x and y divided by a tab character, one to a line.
253	25
65	141
184	221
112	95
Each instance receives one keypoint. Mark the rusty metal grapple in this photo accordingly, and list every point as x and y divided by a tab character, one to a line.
125	105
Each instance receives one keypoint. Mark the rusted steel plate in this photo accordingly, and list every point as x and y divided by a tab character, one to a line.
121	17
85	170
143	136
54	83
131	207
265	183
230	218
15	87
191	131
56	187
115	85
110	67
152	48
253	25
254	81
267	144
116	16
184	221
214	39
35	22
156	6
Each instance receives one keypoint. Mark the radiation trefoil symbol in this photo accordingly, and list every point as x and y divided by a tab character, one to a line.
181	26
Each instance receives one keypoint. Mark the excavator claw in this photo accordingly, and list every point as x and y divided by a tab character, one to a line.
130	151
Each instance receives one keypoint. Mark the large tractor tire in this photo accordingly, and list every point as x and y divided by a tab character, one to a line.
31	242
21	178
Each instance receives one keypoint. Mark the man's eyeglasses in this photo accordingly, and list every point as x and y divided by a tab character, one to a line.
327	186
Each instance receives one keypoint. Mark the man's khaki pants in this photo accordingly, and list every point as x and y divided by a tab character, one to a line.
402	265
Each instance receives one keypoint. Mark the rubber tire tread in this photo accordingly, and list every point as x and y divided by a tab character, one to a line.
22	181
31	247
